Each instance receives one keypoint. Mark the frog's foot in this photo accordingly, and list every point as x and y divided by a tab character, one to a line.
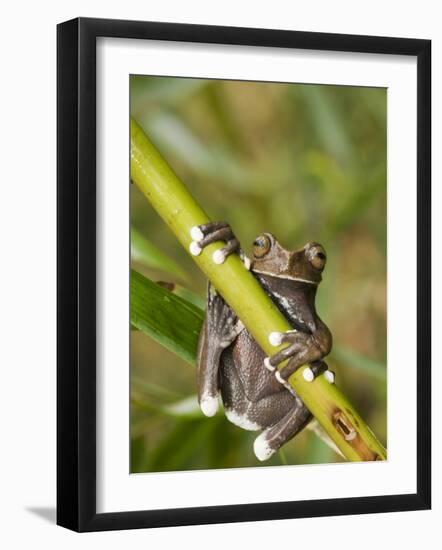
329	375
208	233
277	338
263	451
223	323
209	404
274	437
303	349
245	259
315	369
220	328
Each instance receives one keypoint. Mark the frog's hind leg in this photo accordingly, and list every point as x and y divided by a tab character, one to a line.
221	327
274	437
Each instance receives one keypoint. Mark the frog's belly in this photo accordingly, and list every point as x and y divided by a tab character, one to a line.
244	412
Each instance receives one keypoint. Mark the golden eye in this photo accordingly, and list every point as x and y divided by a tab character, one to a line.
317	257
261	246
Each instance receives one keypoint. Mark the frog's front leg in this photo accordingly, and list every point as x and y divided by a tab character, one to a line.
303	349
210	232
220	328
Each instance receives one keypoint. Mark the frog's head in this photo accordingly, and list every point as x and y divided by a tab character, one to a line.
304	265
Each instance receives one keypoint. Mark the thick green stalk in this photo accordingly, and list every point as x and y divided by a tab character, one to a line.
173	202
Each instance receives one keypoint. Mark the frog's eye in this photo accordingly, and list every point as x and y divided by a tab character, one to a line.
261	246
317	257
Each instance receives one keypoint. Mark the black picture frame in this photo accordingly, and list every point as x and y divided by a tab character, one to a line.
76	273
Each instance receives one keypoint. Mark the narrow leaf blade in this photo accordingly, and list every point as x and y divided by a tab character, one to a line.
143	251
170	320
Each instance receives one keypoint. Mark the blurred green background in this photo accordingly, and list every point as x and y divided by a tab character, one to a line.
305	162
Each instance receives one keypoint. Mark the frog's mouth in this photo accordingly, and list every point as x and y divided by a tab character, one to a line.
285	276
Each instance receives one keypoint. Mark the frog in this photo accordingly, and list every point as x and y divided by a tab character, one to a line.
256	393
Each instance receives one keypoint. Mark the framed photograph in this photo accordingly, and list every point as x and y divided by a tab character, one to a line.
243	274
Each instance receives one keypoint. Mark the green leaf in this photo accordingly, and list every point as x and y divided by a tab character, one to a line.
143	251
176	323
190	296
170	320
188	408
185	293
153	390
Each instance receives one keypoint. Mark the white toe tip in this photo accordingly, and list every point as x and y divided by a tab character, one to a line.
261	448
209	405
218	257
195	249
275	338
308	375
268	365
329	376
196	234
280	378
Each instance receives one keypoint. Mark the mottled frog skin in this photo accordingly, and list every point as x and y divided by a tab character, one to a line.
255	394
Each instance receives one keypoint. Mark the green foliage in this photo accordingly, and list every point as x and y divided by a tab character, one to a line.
143	251
170	320
304	162
175	324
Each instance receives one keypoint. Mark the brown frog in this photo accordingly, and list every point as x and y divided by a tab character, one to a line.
256	395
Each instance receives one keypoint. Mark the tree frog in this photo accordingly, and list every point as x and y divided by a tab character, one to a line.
255	394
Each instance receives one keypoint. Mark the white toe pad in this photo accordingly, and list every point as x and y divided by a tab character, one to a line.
209	405
275	338
218	257
195	249
196	234
261	448
268	365
280	378
329	376
247	263
308	375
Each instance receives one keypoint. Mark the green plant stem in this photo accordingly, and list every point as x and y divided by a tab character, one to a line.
239	288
